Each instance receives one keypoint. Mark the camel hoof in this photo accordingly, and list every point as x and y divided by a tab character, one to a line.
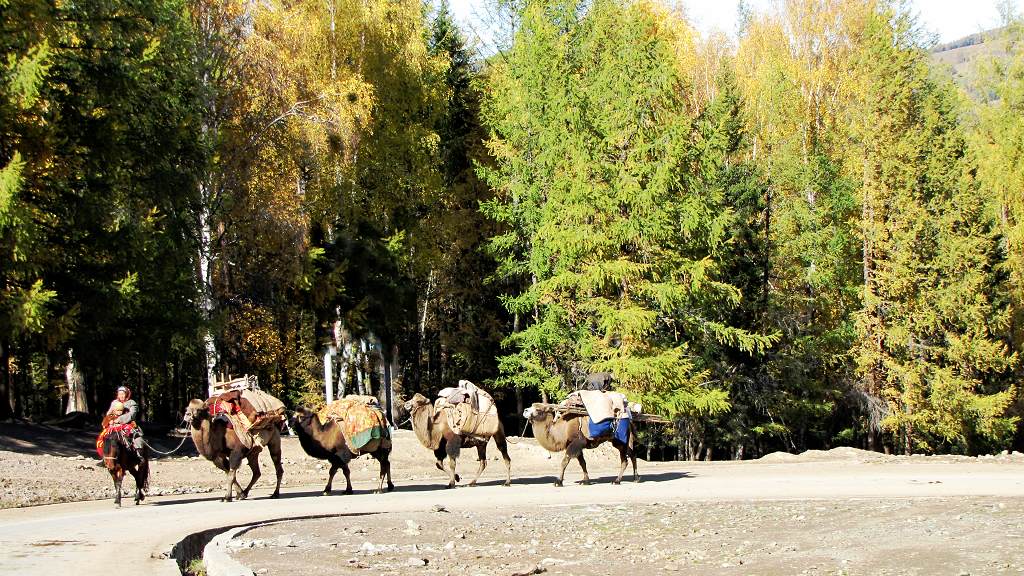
584	482
615	482
558	484
391	487
117	504
473	483
348	491
451	485
325	493
275	495
507	483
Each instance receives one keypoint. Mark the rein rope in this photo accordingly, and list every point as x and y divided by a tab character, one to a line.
178	447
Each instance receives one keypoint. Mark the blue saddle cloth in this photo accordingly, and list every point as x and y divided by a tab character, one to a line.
617	427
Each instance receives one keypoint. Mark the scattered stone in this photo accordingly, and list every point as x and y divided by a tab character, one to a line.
439	508
413	529
417	562
527	570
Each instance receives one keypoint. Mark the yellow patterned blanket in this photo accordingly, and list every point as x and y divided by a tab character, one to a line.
361	419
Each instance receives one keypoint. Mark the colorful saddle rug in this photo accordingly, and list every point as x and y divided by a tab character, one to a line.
123	429
361	418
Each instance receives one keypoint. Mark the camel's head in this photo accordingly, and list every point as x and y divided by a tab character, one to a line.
538	413
415	403
196	410
301	417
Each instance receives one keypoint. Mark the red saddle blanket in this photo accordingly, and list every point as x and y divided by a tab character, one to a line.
122	428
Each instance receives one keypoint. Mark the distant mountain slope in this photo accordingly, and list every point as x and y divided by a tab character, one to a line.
961	55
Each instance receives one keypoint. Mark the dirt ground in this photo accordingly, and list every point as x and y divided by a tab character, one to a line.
757	517
884	536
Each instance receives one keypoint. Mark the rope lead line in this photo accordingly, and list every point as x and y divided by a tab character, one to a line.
178	447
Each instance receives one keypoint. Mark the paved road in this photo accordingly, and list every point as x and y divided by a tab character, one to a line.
82	538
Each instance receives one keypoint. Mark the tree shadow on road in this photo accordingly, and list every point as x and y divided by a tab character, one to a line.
27	438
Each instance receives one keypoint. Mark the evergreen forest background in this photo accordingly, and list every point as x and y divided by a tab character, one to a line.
807	236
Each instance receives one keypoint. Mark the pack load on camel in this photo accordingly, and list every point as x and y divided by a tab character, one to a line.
608	413
251	412
361	418
471	411
597	400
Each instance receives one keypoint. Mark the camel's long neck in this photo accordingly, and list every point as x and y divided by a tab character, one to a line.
201	437
423	424
310	433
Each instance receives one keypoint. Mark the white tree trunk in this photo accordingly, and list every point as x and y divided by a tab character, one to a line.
205	285
360	366
393	375
328	377
76	391
346	353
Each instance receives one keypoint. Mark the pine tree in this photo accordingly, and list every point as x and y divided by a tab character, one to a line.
929	330
595	168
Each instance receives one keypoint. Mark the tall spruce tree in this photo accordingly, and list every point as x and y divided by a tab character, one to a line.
931	323
596	171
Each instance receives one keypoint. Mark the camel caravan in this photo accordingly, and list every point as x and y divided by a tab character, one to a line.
238	420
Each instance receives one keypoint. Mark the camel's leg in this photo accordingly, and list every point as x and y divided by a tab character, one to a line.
481	454
348	476
452	449
583	465
623	458
387	462
499	440
440	454
575	450
274	446
561	474
383	457
632	451
335	464
231	473
253	458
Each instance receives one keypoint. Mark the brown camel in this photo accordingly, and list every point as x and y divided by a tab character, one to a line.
220	445
119	457
564	433
434	433
327	442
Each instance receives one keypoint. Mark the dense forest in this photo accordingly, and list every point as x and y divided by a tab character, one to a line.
803	236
